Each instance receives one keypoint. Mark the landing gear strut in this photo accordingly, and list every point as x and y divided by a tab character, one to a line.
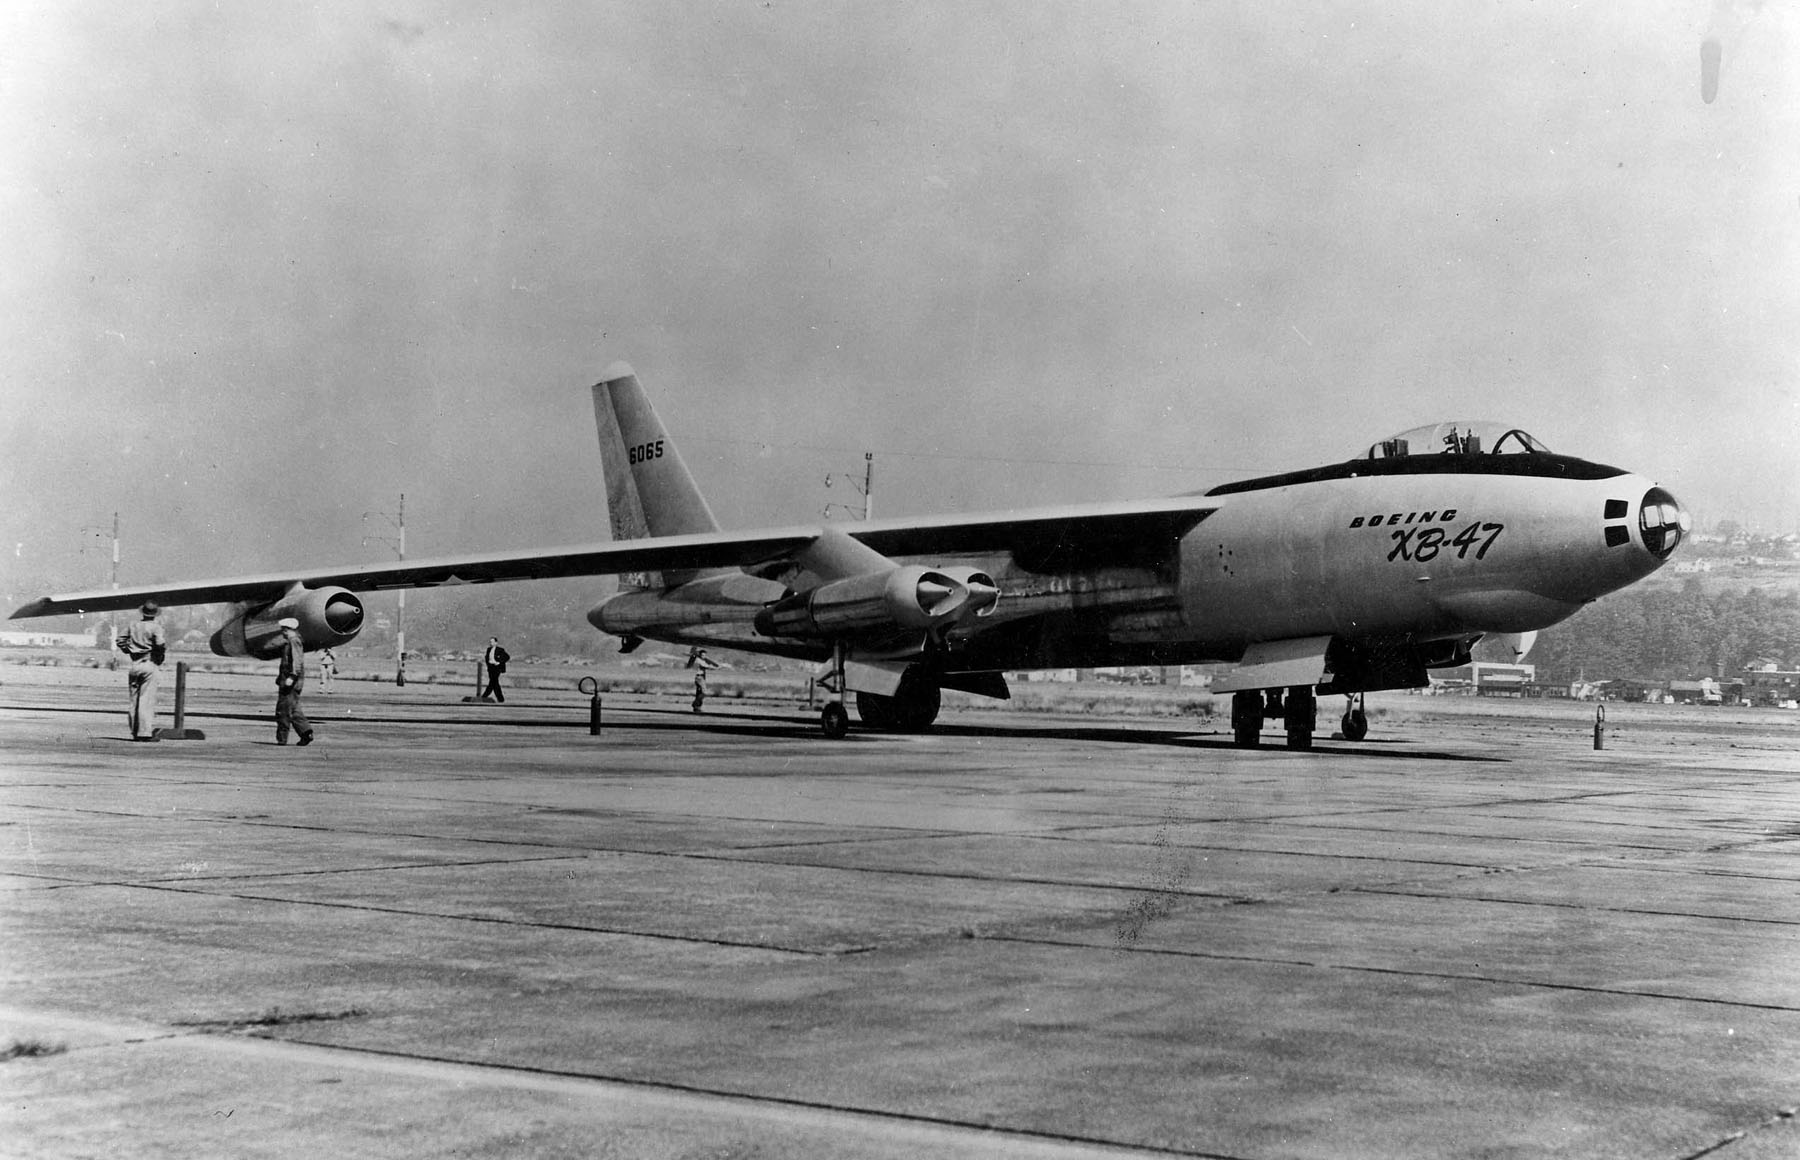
834	719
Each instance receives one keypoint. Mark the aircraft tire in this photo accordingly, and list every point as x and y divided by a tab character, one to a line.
912	708
1355	725
1299	715
1246	719
834	720
919	702
876	711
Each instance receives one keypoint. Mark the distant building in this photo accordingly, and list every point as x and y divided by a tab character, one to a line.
1704	691
1765	684
1489	679
53	639
1634	689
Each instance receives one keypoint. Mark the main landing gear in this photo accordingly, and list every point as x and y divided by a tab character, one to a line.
1297	708
912	707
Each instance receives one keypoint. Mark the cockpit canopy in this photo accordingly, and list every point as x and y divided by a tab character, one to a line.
1475	437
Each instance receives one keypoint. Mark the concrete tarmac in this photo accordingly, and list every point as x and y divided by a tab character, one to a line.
475	930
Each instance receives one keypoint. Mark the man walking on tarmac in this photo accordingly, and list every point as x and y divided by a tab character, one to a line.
288	683
700	662
494	658
144	643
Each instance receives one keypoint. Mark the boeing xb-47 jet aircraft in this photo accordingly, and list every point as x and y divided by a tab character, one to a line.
1341	579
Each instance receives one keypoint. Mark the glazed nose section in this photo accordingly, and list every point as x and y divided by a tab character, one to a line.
1661	522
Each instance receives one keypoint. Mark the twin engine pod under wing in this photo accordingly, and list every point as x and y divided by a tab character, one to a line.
908	598
329	618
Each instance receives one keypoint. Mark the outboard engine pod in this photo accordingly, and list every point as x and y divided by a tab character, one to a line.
329	618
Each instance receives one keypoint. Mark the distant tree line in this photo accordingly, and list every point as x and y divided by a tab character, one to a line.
1670	634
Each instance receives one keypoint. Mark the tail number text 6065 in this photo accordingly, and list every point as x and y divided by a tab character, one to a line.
644	452
1425	543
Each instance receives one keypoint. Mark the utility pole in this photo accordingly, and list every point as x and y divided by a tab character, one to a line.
398	522
111	626
866	488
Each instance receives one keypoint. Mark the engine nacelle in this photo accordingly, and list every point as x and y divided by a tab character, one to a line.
329	618
907	598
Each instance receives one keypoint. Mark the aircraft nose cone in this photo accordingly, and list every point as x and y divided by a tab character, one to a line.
1661	522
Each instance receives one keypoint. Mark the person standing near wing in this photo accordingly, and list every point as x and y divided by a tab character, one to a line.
144	643
288	683
700	663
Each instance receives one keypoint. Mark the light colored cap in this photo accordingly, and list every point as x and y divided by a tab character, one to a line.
288	622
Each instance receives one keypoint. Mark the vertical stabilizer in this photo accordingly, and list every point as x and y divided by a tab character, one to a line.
649	491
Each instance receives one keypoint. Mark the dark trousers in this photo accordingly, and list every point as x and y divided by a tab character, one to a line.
493	685
288	714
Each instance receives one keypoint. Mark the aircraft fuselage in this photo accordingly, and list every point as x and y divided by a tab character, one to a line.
1431	549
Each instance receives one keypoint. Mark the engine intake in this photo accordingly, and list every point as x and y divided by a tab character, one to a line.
329	618
906	598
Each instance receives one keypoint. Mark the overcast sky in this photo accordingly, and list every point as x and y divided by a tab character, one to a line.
270	266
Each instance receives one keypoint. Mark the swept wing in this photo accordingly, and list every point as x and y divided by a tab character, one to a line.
1130	529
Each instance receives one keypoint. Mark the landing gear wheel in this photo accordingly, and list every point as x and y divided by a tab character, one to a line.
912	708
1356	725
834	720
919	702
1246	719
1299	714
876	711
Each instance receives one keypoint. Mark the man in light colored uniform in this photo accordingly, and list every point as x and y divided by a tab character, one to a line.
288	683
144	643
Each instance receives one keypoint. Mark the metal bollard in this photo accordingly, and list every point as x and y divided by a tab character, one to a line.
476	698
180	731
1599	726
593	703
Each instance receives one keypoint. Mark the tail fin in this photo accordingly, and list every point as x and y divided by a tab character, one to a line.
649	491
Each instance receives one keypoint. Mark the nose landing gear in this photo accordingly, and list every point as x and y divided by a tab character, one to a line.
1356	718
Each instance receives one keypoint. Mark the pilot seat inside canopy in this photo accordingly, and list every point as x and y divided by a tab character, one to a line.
1478	437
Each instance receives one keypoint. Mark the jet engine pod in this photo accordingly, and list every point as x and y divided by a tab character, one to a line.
329	618
981	594
903	598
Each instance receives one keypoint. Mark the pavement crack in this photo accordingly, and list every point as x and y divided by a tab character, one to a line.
1783	1120
273	1017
